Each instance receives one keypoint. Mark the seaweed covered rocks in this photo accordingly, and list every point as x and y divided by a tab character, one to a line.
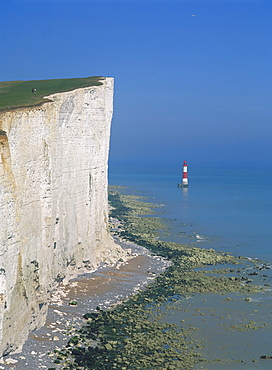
136	334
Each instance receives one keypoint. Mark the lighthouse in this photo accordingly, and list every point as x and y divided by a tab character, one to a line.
184	183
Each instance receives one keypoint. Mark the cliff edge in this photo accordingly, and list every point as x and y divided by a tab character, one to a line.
53	202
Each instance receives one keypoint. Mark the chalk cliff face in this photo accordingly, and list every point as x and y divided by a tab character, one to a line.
53	202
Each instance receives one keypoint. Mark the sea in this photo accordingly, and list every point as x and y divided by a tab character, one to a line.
229	210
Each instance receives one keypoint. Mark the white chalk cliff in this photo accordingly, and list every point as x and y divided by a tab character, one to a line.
53	202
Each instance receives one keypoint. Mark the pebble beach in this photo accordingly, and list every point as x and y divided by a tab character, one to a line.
106	286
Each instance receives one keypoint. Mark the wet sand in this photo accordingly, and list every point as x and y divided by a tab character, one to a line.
105	287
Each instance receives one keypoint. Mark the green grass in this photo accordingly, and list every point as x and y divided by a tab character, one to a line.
14	94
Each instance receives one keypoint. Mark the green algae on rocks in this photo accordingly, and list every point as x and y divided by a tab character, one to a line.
186	275
127	337
135	334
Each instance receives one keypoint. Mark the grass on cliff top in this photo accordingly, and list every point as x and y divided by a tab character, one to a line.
14	94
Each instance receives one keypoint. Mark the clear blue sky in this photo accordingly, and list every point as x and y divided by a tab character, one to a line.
193	79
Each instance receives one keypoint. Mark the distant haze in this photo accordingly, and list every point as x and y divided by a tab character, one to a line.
193	79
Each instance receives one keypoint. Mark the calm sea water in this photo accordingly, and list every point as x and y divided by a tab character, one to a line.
228	210
224	209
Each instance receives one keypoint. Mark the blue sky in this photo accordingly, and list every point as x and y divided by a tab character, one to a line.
193	78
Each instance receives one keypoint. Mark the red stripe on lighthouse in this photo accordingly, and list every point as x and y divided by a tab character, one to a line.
185	174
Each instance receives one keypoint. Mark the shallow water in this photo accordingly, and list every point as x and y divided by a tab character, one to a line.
228	343
230	211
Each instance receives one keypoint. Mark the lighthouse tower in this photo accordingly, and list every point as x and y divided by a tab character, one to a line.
184	183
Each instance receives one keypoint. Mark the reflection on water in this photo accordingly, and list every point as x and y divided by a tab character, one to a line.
185	192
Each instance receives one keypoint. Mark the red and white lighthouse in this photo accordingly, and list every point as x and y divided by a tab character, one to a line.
184	183
185	174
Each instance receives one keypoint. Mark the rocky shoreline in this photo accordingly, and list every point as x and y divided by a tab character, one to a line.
123	336
106	286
